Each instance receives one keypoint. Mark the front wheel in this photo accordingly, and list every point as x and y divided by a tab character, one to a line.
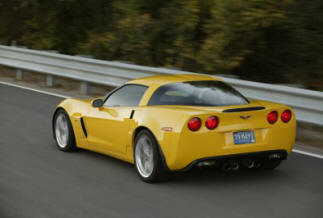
63	131
147	158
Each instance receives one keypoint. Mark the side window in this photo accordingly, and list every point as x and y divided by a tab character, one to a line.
128	95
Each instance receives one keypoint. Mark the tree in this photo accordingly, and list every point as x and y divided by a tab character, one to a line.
271	41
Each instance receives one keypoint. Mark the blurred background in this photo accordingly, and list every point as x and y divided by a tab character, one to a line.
276	41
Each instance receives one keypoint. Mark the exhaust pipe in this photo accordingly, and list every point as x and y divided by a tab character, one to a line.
249	163
227	166
235	166
230	166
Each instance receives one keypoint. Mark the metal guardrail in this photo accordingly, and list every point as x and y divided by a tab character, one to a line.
308	104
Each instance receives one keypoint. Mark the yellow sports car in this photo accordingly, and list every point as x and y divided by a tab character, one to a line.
175	122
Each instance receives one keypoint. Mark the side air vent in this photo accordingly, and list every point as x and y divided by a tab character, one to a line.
83	127
243	109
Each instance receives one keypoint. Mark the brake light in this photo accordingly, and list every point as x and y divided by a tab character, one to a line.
286	116
272	117
194	124
212	122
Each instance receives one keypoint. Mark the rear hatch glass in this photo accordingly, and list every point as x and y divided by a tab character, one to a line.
197	93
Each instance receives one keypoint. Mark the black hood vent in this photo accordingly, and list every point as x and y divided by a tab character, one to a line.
243	109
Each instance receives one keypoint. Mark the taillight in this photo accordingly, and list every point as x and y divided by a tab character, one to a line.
286	116
194	124
212	122
272	117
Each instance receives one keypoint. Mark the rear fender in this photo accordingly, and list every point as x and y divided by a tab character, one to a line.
166	127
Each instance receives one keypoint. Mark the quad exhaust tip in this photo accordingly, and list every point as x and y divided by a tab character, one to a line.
230	166
275	156
249	163
235	165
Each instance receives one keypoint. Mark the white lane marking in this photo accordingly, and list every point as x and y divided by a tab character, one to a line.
308	153
35	90
65	96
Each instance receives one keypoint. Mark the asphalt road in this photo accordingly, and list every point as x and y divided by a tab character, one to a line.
38	180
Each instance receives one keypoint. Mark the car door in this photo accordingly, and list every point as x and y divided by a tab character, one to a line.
107	126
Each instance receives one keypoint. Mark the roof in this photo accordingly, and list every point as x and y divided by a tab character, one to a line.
171	78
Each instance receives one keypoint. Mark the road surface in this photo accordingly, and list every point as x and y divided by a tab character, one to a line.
38	180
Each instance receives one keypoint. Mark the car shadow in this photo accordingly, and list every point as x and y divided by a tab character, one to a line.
217	176
204	176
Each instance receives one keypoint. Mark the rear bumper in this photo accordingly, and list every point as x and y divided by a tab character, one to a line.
184	148
262	155
185	160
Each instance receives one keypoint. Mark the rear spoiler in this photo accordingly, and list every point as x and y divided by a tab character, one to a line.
243	109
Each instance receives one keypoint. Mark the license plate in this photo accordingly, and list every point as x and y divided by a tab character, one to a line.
244	137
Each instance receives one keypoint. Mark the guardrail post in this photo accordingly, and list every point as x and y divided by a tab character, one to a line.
19	74
84	88
50	80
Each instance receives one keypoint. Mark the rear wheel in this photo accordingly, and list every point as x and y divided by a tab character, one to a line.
63	131
147	158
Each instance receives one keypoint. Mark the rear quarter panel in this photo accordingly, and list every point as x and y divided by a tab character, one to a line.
155	119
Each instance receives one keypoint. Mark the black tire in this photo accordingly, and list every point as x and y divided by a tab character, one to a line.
270	164
71	145
159	173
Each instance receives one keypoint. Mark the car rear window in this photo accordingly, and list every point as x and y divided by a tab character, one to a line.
197	93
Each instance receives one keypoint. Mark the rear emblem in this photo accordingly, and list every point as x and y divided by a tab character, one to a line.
245	117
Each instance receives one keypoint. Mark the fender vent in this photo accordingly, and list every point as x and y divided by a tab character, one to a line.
243	109
83	127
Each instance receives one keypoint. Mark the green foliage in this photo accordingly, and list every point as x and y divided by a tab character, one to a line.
234	28
271	41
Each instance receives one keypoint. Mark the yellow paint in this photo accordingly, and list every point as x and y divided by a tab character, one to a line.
111	131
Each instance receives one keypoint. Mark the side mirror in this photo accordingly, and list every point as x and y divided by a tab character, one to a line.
97	103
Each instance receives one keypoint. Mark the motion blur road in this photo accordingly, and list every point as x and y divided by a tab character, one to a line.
38	180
